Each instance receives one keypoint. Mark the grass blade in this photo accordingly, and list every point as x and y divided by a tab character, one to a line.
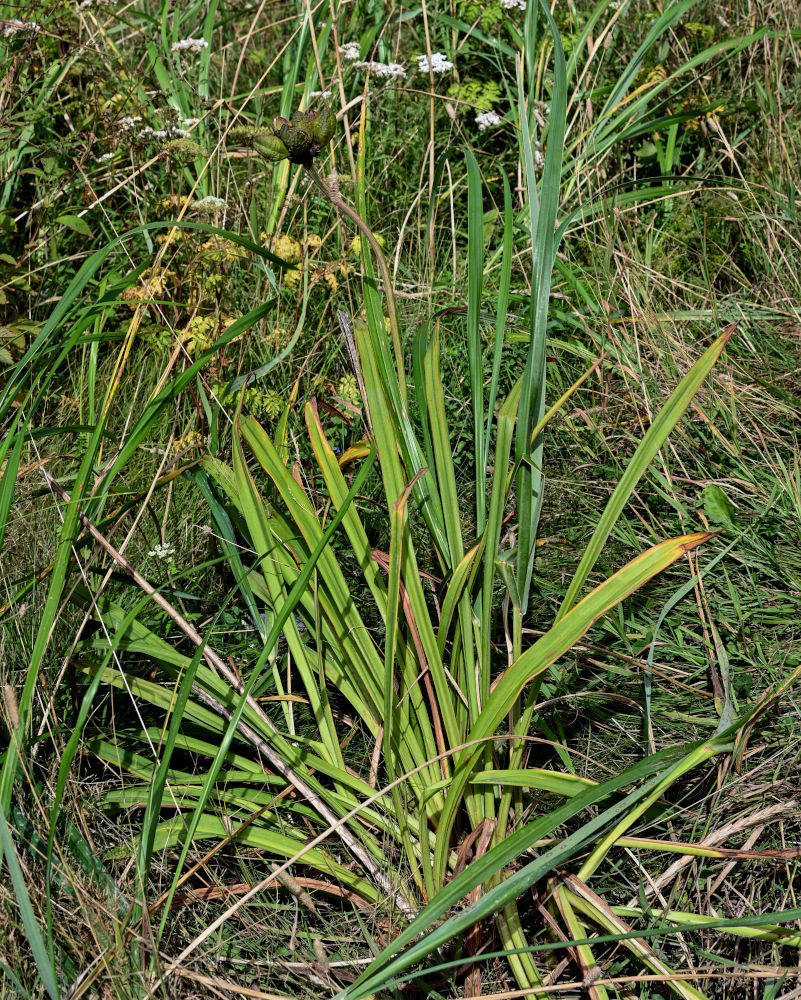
36	943
475	275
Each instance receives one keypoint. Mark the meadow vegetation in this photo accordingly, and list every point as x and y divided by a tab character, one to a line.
400	499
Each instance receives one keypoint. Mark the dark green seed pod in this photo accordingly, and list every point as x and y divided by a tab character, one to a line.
271	147
297	138
324	125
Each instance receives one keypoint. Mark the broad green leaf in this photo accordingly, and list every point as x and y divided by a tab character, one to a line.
76	223
8	481
717	505
534	777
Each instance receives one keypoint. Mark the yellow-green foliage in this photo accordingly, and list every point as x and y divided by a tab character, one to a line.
478	95
264	403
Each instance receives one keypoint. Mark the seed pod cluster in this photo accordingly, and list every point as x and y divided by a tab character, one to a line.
298	139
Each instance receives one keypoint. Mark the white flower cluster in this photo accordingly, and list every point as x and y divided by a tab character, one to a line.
350	51
383	69
104	158
209	204
325	94
161	134
487	119
439	64
511	4
164	551
193	45
129	121
11	27
150	133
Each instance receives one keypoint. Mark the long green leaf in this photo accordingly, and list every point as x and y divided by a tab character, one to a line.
669	17
9	479
542	220
157	785
362	550
475	359
501	309
35	941
654	438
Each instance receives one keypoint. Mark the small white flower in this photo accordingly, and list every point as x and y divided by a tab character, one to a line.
383	69
511	4
194	45
439	64
165	551
179	133
487	119
189	122
350	51
129	121
325	94
104	158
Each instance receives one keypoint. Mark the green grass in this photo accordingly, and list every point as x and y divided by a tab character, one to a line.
421	614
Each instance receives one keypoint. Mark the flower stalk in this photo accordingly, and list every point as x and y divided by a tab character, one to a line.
300	140
338	202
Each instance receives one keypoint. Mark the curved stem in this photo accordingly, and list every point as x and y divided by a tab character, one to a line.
336	200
